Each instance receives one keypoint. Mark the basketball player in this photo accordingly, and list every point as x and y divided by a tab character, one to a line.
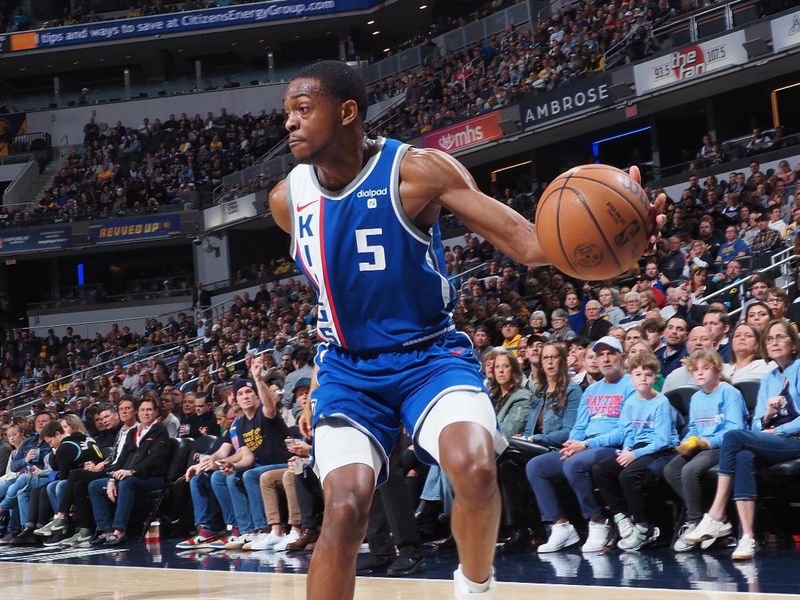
363	215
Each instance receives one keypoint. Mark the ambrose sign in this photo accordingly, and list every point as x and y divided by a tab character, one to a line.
566	101
469	133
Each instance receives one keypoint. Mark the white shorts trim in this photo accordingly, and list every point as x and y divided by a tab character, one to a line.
458	406
338	444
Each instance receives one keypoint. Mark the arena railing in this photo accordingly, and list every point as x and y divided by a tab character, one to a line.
77	375
684	29
782	263
732	152
121	322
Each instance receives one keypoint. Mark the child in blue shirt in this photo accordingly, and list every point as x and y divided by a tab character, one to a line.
647	428
716	408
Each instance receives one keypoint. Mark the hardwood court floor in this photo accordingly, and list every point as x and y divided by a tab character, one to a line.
79	582
159	572
89	582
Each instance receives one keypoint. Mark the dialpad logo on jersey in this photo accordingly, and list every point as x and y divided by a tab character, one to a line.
688	62
372	193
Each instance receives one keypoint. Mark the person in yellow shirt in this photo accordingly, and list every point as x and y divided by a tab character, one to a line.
511	336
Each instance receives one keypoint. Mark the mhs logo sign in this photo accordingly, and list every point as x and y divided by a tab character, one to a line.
468	133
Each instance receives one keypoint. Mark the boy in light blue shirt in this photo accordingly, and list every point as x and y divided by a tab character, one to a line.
716	408
647	431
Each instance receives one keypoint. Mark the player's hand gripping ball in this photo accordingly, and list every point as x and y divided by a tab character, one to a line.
593	222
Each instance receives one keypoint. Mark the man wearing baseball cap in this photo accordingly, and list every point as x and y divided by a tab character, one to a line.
260	434
511	334
594	437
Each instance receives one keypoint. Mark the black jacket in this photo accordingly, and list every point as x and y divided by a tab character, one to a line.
150	458
596	330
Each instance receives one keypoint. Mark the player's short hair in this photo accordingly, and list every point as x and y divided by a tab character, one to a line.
338	81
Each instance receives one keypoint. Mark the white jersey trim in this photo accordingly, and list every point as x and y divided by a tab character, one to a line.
397	204
360	178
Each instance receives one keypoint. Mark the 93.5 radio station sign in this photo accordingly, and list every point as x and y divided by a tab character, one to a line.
690	62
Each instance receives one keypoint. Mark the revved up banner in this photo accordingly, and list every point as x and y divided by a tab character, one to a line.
139	228
565	101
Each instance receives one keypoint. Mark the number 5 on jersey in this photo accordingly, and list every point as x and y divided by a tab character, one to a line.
378	258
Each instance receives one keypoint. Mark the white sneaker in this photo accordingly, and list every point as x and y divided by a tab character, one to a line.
708	529
638	538
238	542
624	525
291	537
256	542
266	541
599	537
463	587
745	549
562	535
681	543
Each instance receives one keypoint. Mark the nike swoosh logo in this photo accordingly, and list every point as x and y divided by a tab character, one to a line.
300	207
457	352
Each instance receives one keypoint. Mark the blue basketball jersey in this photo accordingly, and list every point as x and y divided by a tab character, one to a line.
380	281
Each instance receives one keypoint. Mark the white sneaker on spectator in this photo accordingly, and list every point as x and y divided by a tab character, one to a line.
291	537
265	541
681	543
638	538
256	541
469	590
562	535
624	525
708	529
238	541
745	549
599	537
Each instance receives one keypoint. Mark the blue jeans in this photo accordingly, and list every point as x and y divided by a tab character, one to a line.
126	494
206	509
252	486
13	499
545	469
225	487
55	490
738	454
13	513
24	497
245	500
437	488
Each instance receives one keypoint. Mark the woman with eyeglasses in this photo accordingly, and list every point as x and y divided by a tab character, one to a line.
774	437
560	325
538	323
553	412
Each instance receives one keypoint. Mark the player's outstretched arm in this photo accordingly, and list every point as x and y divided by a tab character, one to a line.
279	206
431	177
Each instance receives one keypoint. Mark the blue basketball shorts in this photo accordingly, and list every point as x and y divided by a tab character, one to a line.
379	394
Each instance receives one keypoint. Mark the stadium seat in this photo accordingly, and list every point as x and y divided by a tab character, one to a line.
680	398
749	390
179	452
199	446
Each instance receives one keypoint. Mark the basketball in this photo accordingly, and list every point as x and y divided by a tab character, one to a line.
592	222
